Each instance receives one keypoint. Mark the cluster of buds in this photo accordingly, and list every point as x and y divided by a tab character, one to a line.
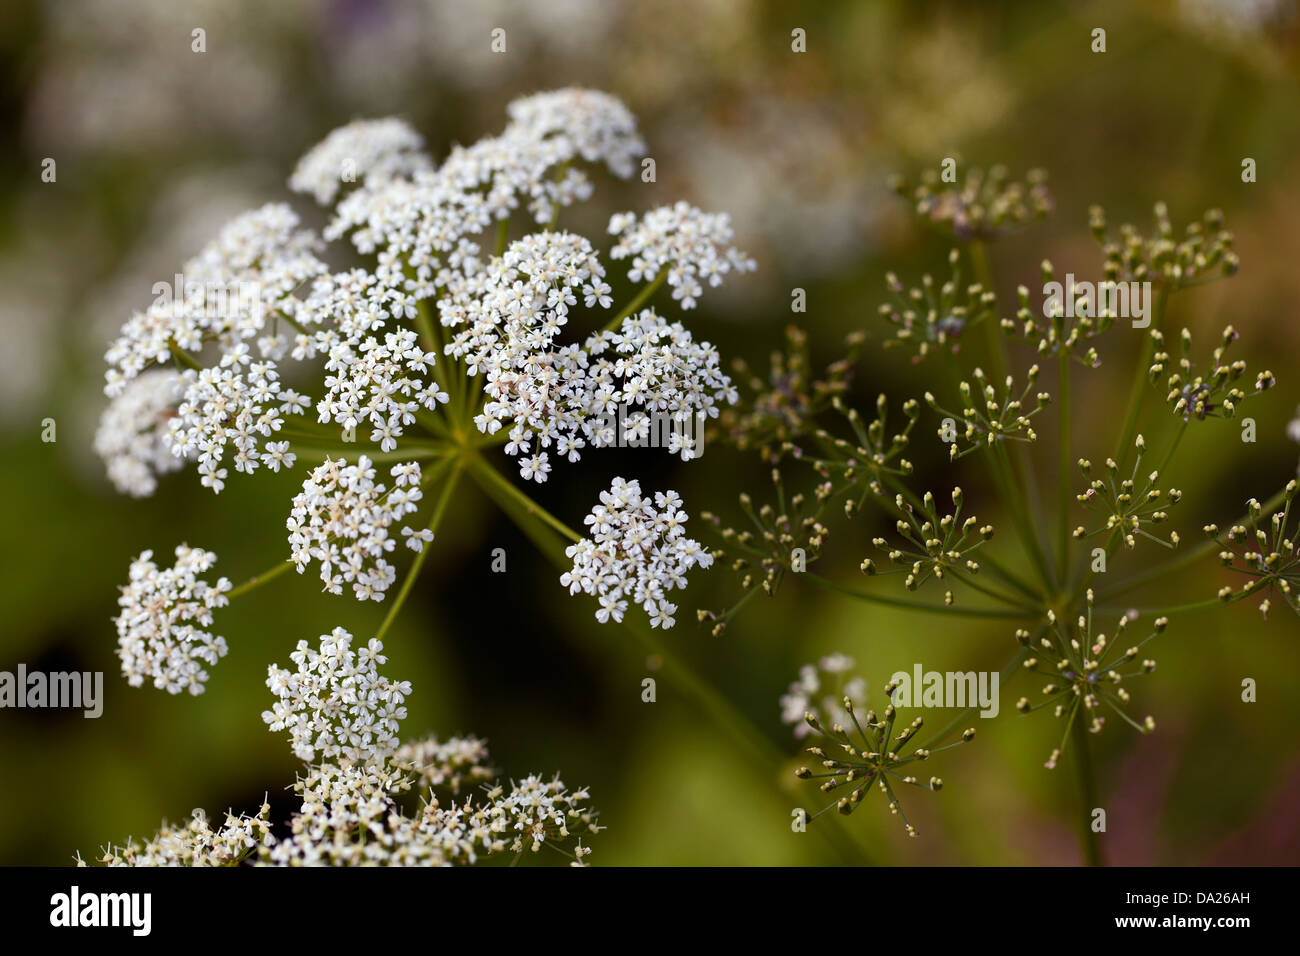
870	755
785	404
1002	417
873	455
1054	332
932	316
1085	672
1202	255
984	206
1211	394
1267	553
1129	510
934	545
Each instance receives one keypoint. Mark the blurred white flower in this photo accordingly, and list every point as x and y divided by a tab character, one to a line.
132	433
370	152
820	691
229	291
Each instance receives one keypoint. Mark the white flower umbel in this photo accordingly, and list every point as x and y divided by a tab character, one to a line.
161	632
660	368
196	844
351	816
507	320
341	518
638	550
820	691
537	810
382	383
587	123
453	763
336	706
429	214
688	245
370	152
131	438
239	403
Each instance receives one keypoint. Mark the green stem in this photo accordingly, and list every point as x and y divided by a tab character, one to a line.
1063	481
183	357
1188	608
998	596
646	292
405	453
435	519
1138	388
1089	839
258	580
830	585
429	333
482	470
1009	576
979	256
1000	469
1173	447
1034	502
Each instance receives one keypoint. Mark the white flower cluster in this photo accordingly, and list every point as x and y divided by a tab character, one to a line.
658	367
131	438
160	630
638	549
820	691
239	402
586	123
336	704
536	809
341	712
453	763
350	816
371	152
382	382
430	213
196	844
247	274
684	243
508	318
341	518
421	222
229	290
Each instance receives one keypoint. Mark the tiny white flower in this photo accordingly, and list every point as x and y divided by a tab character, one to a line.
636	551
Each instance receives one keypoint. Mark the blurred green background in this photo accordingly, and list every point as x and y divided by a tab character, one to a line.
156	146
